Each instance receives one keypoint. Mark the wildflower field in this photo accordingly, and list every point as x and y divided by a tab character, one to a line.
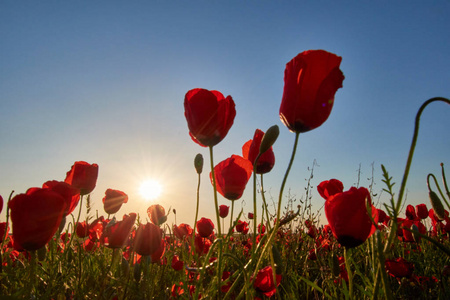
394	251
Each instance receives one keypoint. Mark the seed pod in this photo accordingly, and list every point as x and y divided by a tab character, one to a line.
198	163
436	203
269	138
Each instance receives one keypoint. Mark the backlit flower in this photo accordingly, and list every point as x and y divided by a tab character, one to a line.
311	80
35	216
209	116
148	239
113	200
348	218
250	151
232	176
83	176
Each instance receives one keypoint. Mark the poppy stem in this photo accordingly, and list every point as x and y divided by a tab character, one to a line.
438	187
280	198
269	227
231	217
408	164
254	203
349	273
196	214
216	204
444	181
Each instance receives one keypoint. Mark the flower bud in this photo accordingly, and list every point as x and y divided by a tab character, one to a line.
269	138
198	163
436	203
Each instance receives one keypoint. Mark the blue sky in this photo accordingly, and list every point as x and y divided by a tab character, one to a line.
104	82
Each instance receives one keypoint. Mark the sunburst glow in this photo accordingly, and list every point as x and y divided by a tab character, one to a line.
150	189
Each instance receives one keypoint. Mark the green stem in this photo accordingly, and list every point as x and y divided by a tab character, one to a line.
216	203
266	209
196	215
409	160
280	198
438	187
444	181
254	203
349	273
231	217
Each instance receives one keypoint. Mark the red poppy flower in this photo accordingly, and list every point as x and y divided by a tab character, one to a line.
117	234
264	281
311	80
148	239
250	151
177	264
201	244
157	214
205	227
232	176
242	227
82	229
35	216
209	116
113	200
250	216
68	192
348	217
330	187
83	176
410	212
182	230
399	267
223	211
1	203
158	254
422	211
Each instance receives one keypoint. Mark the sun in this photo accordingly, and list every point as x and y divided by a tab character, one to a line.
150	189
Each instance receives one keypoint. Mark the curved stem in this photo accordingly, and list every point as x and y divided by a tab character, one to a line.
408	163
280	198
444	181
349	273
413	146
438	187
216	203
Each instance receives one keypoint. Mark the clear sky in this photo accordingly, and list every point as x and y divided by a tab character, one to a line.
104	82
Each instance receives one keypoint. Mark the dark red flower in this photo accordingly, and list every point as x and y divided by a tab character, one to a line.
250	216
330	187
201	244
399	267
223	211
35	216
117	234
158	254
157	214
348	217
422	211
232	176
82	229
1	203
311	80
264	281
148	239
83	176
205	227
113	200
250	151
68	192
177	264
242	227
410	212
382	216
182	230
209	116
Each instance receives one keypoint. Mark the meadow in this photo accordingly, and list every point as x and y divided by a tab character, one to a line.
394	251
